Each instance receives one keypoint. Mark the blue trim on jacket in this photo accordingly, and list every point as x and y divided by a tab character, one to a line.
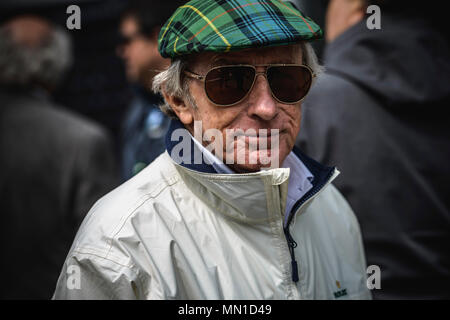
203	167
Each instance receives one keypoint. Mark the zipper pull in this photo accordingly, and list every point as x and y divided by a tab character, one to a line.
292	244
294	271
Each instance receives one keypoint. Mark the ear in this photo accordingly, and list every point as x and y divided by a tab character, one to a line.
181	109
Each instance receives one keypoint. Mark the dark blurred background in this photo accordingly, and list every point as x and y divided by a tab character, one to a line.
95	85
63	97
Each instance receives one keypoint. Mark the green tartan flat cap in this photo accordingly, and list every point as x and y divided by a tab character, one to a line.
231	25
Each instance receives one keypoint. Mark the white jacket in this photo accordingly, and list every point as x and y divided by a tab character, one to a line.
175	233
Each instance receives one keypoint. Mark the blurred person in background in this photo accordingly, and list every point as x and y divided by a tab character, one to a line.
379	114
145	126
54	164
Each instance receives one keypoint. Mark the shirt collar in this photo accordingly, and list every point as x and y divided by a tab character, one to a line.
300	181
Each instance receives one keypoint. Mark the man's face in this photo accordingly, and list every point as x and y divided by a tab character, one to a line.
259	110
139	53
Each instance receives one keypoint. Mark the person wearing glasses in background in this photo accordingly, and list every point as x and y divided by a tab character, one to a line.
269	227
144	126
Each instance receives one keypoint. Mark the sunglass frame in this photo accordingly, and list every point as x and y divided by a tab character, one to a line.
267	66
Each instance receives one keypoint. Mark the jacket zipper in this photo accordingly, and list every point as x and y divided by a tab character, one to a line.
290	240
292	245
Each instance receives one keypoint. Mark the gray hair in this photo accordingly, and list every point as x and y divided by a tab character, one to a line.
175	84
45	64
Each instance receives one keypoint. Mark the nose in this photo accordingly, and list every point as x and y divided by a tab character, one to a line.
262	103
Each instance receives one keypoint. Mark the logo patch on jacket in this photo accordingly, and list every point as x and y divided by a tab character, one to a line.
341	292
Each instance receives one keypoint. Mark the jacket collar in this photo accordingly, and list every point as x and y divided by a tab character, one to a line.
174	137
252	197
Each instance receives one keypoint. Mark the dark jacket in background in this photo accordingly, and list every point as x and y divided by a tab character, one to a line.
53	166
380	114
143	133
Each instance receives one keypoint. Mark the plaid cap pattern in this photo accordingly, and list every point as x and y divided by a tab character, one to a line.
231	25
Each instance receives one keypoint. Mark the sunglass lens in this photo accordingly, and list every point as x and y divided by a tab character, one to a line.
228	85
289	84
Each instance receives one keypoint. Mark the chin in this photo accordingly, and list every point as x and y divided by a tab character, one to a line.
245	168
245	161
256	166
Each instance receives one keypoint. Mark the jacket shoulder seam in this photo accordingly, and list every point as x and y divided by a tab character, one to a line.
91	253
140	202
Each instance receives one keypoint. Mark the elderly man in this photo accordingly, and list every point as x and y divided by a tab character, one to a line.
214	227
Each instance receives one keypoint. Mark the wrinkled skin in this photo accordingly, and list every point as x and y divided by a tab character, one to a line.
259	110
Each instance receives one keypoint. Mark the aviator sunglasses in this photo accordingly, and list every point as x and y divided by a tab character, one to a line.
228	85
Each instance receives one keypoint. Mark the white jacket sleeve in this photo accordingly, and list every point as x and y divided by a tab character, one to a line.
89	277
